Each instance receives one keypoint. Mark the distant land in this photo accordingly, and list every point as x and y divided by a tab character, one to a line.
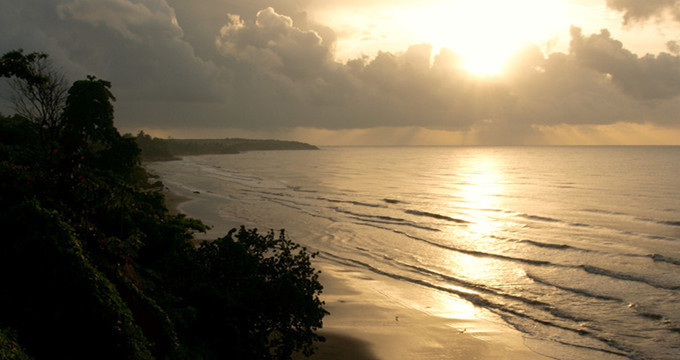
156	149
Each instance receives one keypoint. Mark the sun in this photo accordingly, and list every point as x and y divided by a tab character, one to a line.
485	33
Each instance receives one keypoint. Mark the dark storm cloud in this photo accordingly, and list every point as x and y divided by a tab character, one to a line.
137	45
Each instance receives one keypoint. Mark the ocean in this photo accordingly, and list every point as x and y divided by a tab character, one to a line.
578	248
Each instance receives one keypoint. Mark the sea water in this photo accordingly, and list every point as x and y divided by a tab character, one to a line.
576	247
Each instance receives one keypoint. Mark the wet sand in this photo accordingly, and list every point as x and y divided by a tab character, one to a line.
374	317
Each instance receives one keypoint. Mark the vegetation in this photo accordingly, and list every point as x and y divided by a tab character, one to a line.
94	266
169	149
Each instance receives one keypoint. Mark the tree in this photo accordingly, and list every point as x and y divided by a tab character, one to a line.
89	133
15	63
38	90
89	114
258	298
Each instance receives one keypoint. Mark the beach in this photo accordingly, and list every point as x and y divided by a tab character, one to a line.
372	317
368	321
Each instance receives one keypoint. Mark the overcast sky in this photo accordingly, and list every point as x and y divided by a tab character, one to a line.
380	72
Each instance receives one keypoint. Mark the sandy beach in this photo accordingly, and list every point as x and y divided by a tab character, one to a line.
374	317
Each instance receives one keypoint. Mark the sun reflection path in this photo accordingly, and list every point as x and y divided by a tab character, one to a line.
481	192
479	198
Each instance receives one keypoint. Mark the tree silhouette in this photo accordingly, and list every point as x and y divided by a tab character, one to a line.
39	91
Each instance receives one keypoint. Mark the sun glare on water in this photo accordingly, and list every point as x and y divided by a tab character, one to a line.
485	33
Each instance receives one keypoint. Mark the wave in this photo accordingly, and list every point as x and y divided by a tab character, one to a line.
470	296
301	210
271	193
357	203
626	277
546	245
551	220
648	236
638	218
539	218
436	216
641	311
503	310
661	258
588	268
299	204
566	247
475	286
471	252
373	223
283	203
606	212
550	246
605	351
380	219
585	293
300	189
394	201
231	175
659	222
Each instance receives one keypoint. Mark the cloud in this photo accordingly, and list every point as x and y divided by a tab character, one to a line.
137	45
291	74
645	78
265	67
132	20
597	82
201	22
272	43
641	10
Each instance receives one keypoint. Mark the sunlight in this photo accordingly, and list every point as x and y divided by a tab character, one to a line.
479	196
483	186
486	32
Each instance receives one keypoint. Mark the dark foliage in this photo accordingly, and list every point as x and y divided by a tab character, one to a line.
15	63
153	149
94	266
270	274
10	348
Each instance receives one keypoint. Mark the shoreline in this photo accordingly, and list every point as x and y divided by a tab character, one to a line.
373	317
173	200
377	314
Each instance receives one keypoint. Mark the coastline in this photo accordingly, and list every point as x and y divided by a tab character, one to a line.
373	317
173	200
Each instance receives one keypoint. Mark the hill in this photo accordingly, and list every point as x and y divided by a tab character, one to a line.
156	149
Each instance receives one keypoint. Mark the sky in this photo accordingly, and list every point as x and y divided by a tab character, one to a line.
371	72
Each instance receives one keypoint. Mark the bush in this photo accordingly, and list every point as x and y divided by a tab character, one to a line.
258	298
